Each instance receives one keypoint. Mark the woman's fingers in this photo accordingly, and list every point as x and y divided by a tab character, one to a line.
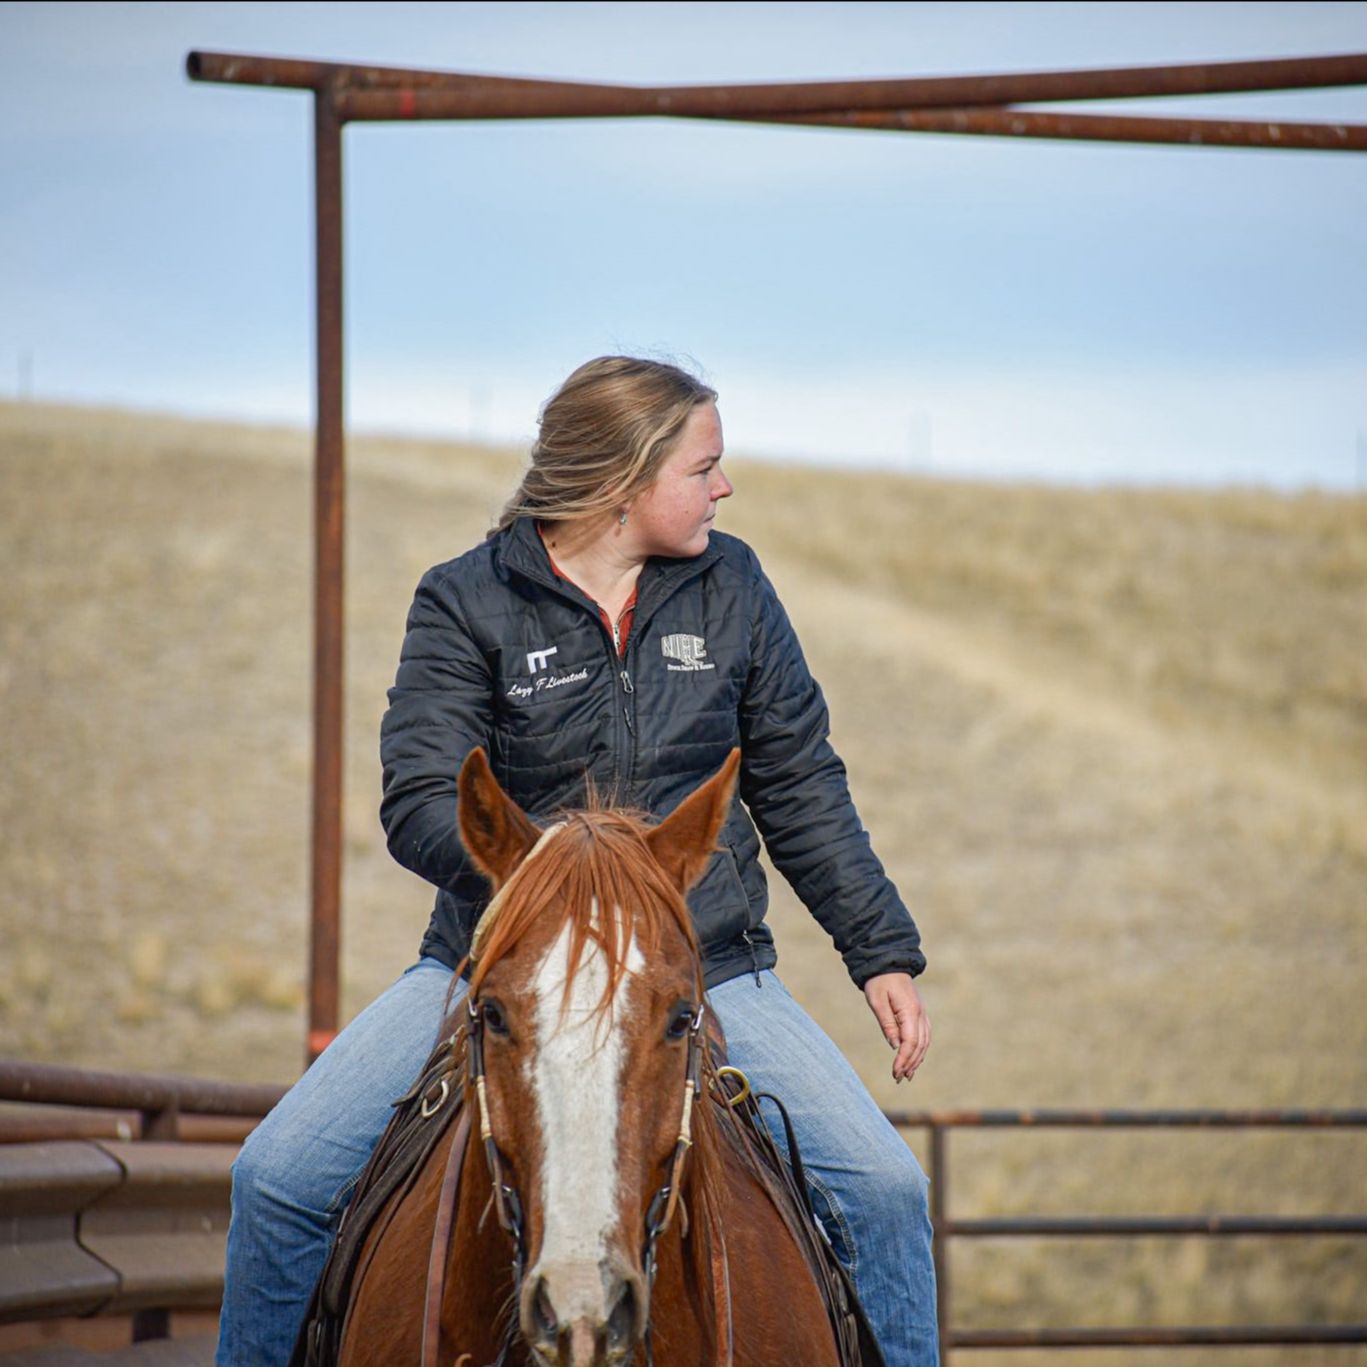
897	1005
908	1019
915	1040
922	1043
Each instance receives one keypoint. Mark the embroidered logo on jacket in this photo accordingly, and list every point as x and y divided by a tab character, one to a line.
689	651
538	662
543	682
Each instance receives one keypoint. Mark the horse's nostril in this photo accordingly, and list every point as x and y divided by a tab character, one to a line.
543	1314
623	1321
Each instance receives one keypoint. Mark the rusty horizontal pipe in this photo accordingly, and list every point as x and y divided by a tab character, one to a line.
383	93
292	73
1128	1227
55	1084
1212	1335
286	73
1030	123
52	1084
44	1123
1127	1119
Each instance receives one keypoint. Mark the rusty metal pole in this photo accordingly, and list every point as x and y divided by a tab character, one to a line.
329	510
981	121
939	1220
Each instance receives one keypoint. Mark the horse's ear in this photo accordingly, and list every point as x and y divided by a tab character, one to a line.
496	832
685	840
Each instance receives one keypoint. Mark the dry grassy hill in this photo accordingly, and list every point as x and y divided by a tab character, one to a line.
1112	745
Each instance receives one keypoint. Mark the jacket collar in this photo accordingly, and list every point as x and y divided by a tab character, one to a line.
521	551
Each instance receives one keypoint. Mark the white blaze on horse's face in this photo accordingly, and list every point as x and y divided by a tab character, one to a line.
576	1077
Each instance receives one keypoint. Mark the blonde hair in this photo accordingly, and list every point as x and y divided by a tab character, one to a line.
602	437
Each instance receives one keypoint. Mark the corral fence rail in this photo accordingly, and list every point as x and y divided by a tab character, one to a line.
939	1124
60	1171
105	1207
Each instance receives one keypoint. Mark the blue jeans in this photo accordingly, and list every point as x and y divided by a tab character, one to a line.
296	1171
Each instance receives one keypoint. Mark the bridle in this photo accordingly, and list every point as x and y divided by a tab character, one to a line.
508	1205
660	1212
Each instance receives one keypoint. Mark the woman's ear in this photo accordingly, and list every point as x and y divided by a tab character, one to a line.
685	840
496	832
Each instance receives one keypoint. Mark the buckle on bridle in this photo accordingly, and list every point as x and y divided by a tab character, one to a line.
725	1071
430	1107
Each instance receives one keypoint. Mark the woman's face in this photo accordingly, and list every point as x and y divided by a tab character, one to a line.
673	516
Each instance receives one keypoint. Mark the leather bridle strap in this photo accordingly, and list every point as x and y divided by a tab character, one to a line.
506	1202
505	1198
660	1213
440	1254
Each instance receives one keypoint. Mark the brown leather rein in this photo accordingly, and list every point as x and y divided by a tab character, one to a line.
508	1205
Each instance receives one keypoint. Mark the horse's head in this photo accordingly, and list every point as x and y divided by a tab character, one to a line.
586	991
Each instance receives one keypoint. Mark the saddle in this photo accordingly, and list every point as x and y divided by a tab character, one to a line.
436	1102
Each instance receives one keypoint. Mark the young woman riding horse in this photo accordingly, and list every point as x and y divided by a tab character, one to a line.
604	633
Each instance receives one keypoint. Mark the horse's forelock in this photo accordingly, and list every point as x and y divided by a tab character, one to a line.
599	876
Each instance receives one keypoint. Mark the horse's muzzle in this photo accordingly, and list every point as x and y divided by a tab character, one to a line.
568	1323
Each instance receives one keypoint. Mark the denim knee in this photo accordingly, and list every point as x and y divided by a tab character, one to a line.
905	1185
245	1166
258	1166
269	1170
892	1195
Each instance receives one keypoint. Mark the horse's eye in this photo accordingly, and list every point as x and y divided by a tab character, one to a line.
494	1018
680	1022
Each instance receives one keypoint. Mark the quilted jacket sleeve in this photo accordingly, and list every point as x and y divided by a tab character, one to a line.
794	784
439	710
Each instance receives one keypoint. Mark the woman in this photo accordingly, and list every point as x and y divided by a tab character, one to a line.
605	631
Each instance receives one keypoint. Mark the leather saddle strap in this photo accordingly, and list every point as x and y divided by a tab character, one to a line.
441	1241
855	1341
799	1171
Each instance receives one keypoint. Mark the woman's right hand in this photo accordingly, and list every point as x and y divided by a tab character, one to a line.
894	1000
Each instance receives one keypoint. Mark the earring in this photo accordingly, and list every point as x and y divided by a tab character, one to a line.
622	519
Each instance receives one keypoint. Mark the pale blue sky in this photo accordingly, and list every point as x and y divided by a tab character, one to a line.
960	305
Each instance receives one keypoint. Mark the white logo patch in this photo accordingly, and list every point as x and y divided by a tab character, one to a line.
690	652
547	681
537	660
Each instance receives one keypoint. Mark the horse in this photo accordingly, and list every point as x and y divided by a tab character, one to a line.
634	1223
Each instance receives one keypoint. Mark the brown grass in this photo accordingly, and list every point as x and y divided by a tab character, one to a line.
1112	745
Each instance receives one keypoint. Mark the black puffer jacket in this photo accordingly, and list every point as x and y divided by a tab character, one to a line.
502	653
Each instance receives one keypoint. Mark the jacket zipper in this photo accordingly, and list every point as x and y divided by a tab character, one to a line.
623	673
754	956
625	754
